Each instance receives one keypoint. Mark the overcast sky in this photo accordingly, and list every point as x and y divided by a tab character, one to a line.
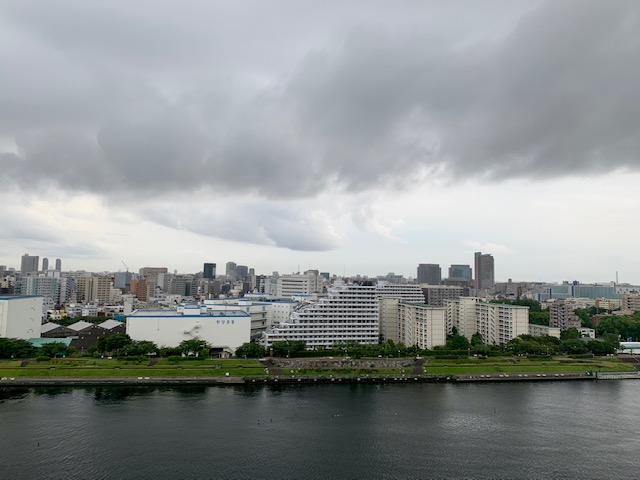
348	136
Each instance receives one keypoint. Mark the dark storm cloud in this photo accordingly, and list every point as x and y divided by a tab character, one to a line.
282	102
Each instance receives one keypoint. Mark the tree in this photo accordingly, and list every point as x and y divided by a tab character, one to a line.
457	342
289	347
477	340
15	348
600	348
539	318
193	347
570	334
574	346
585	318
141	347
250	350
117	341
612	339
53	349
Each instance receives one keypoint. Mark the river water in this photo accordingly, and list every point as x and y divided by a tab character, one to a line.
501	430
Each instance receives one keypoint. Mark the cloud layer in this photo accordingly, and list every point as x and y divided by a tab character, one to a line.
143	100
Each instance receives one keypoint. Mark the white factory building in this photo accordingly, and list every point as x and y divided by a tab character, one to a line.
20	316
225	330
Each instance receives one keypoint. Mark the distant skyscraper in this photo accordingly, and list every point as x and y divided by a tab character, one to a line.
484	271
429	273
58	265
230	271
122	280
462	272
209	271
242	271
45	264
29	263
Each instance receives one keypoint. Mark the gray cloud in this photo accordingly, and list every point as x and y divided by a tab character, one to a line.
114	98
279	225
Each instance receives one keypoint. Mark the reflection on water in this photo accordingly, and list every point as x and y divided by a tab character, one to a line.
117	394
13	393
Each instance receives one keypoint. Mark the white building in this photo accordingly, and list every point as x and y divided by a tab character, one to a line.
349	313
497	323
223	330
542	330
407	292
288	285
20	317
423	326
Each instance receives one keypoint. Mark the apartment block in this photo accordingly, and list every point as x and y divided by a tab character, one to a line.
437	295
349	313
561	315
497	323
421	325
631	301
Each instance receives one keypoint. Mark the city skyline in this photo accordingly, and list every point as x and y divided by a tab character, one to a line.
327	136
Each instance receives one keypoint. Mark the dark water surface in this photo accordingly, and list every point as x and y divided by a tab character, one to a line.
514	430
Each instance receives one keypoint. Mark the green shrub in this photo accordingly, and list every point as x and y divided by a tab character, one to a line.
43	359
134	358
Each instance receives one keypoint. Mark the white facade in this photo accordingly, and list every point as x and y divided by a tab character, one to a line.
497	323
20	317
390	318
407	292
348	313
227	330
422	325
542	330
287	285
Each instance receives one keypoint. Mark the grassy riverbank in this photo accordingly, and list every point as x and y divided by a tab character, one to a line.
92	367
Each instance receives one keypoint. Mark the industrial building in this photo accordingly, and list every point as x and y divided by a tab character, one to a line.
20	316
223	330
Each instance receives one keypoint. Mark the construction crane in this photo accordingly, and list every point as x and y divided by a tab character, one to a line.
125	266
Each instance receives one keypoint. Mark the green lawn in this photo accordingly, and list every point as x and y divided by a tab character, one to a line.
92	367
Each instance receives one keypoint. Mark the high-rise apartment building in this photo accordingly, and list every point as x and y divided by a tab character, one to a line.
91	288
29	263
436	295
429	273
497	323
58	265
562	315
421	325
54	288
45	264
349	313
138	287
296	284
484	270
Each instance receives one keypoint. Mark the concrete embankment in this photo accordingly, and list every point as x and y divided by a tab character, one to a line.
22	382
